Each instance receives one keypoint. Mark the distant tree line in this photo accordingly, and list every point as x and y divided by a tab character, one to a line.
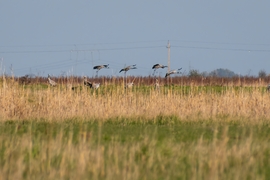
221	73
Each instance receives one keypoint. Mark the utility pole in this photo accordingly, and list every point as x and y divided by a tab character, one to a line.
169	55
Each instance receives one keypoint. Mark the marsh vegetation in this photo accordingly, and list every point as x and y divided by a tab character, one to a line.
188	129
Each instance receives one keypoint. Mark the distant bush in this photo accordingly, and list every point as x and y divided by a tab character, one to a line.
262	74
222	73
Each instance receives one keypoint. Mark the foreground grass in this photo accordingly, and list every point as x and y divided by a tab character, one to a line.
167	148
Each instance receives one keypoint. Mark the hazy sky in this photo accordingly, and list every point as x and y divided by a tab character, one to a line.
70	37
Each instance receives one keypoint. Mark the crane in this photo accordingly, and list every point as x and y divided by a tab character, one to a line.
173	72
157	66
157	85
128	68
95	85
130	84
87	83
99	67
51	82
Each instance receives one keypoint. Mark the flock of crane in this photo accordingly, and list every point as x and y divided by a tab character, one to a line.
94	85
125	69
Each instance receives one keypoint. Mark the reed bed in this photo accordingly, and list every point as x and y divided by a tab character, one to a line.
19	102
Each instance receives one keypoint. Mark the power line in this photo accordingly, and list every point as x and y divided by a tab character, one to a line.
48	65
73	63
85	44
224	49
80	50
223	43
132	48
135	42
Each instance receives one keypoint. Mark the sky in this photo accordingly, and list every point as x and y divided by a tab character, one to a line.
67	37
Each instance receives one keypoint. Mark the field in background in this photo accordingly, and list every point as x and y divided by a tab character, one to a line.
188	129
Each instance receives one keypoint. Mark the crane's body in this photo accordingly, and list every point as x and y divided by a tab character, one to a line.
157	85
92	85
128	68
157	66
129	85
87	83
177	71
95	85
99	67
51	82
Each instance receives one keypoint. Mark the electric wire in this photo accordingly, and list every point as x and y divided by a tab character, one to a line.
116	64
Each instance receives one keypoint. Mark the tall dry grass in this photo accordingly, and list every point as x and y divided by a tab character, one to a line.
60	103
26	157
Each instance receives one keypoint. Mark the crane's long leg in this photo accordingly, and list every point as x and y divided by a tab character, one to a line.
154	72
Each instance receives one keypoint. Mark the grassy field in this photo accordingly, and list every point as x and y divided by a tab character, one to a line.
130	149
191	131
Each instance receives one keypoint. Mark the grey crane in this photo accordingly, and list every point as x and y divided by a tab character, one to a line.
128	68
157	85
24	79
51	82
157	66
87	83
177	71
95	85
99	67
90	84
130	84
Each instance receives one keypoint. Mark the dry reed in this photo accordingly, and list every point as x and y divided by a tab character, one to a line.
60	103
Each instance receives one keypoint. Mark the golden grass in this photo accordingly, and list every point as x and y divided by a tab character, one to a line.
59	103
59	158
